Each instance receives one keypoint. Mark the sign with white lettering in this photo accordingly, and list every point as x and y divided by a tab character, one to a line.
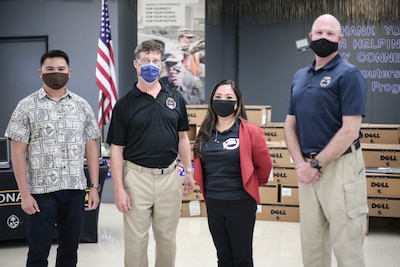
376	51
156	13
179	27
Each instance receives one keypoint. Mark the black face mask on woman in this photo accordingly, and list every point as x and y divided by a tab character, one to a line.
223	108
324	47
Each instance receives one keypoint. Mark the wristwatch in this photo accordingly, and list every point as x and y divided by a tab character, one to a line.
315	164
97	186
189	170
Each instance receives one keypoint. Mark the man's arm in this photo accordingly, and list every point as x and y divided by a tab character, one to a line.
185	156
342	140
122	199
304	172
18	151
292	140
92	157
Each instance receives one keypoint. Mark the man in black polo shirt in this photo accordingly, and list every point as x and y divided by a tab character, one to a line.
147	133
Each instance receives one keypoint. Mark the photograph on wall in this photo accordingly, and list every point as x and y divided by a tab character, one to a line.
179	27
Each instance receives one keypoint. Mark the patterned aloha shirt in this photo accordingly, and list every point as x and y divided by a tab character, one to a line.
56	133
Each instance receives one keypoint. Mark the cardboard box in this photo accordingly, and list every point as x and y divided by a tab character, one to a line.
385	223
279	154
192	133
380	133
259	115
289	195
274	132
383	185
284	213
268	194
203	209
191	208
283	175
197	195
381	155
191	149
196	113
384	207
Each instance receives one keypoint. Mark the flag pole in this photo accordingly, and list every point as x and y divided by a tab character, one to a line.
103	120
105	72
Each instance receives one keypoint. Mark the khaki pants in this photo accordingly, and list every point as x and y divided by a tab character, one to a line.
333	214
156	200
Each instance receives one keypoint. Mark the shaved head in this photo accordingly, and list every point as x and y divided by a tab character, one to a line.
327	20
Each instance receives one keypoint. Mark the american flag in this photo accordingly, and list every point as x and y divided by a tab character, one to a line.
105	70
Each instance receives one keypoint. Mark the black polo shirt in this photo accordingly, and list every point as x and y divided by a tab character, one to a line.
147	127
220	158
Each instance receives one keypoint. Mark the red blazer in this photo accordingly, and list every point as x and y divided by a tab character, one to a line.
255	161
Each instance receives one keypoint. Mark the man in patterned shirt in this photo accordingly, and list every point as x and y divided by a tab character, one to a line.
50	130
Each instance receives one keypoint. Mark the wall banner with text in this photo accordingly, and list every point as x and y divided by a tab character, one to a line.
179	27
375	50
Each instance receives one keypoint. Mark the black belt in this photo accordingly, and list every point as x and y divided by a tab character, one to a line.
312	155
158	171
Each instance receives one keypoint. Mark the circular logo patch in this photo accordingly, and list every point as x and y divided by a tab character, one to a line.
13	221
170	103
325	81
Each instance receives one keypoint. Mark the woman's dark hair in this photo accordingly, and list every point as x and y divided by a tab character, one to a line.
211	118
53	54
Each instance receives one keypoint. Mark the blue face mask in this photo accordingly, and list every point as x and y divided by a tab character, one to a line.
149	72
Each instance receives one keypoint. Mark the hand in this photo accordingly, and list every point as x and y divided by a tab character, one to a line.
94	199
176	77
29	205
122	201
306	174
188	184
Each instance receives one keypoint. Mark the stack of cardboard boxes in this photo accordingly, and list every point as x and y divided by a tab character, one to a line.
381	150
280	197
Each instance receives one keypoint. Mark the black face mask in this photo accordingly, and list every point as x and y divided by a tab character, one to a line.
55	80
323	47
223	108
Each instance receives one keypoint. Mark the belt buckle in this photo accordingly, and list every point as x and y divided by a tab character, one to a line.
313	155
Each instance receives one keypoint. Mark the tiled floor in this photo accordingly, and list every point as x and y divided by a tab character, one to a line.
275	244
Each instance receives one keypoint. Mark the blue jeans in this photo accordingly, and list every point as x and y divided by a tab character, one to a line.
61	211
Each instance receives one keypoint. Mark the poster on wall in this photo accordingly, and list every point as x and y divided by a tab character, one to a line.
179	27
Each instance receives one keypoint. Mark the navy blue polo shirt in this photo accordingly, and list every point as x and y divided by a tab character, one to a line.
320	98
148	128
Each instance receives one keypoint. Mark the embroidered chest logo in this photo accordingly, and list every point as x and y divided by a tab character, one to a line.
170	103
325	81
231	144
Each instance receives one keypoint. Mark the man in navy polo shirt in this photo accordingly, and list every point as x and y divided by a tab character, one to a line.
322	131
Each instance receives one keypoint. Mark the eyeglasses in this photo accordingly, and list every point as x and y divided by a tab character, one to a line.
145	61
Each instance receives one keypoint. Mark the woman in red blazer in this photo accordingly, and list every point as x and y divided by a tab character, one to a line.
231	160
